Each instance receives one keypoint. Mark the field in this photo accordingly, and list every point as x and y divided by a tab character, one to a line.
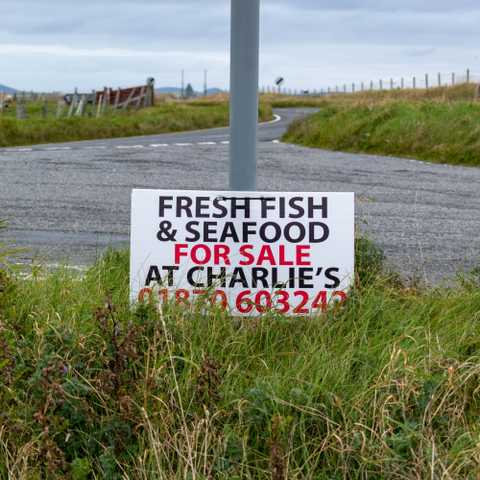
385	386
164	118
439	124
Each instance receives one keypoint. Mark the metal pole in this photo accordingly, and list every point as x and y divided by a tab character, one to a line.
245	33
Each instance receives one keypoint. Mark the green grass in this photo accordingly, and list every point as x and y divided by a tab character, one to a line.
164	118
384	387
463	92
438	128
439	132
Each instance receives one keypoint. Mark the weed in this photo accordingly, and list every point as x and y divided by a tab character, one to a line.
384	387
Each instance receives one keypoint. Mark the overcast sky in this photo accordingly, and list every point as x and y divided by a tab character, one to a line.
59	44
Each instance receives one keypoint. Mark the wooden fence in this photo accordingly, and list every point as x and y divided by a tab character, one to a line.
108	98
94	104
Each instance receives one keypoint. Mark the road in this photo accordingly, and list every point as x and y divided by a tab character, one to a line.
68	202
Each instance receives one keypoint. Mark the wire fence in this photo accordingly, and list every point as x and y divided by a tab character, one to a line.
424	81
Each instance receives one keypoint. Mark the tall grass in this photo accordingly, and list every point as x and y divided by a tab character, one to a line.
164	118
437	125
464	92
384	387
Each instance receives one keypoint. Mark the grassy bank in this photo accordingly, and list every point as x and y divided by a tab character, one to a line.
439	125
385	387
164	118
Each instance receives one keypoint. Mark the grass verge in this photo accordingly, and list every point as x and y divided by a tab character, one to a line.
384	387
164	118
439	126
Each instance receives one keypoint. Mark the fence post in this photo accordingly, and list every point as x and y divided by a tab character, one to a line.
381	84
21	111
426	81
453	79
439	79
414	82
60	106
71	107
99	105
391	84
402	83
468	75
106	99
81	106
94	102
371	85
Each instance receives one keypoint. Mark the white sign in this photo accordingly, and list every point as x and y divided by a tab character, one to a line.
248	251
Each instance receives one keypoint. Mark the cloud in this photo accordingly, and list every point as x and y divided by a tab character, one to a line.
59	44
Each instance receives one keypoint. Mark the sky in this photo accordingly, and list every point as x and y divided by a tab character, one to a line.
48	45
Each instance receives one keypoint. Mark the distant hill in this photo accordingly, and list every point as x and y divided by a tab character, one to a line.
8	90
177	91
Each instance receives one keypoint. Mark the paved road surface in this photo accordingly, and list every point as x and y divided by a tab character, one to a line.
68	202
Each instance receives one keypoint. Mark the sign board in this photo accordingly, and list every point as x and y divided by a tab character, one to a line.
247	251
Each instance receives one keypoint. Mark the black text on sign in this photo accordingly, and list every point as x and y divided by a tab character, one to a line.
249	252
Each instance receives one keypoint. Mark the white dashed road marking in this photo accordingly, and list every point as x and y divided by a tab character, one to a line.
120	147
19	150
276	119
